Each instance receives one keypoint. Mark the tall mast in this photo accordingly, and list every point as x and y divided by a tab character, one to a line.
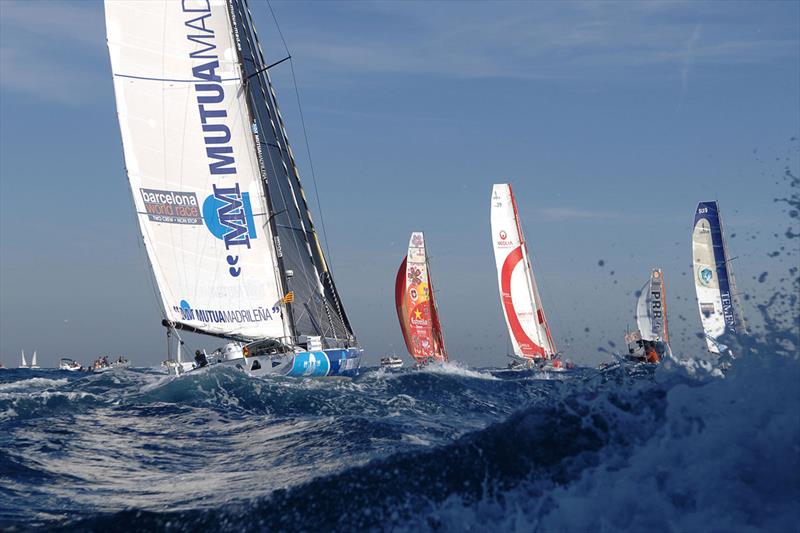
282	277
318	310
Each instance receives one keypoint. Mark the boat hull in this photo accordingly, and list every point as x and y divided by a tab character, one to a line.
344	362
542	365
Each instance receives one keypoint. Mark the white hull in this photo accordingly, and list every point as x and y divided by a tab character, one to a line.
324	363
69	365
549	365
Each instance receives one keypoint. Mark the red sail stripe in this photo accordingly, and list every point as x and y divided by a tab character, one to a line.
528	347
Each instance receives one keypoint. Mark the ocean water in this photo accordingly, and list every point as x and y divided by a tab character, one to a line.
696	444
442	449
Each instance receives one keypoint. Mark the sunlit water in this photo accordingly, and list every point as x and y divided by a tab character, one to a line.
443	449
695	445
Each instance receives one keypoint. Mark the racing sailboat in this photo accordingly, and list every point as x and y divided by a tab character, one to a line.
34	362
24	362
221	209
416	305
531	340
720	312
650	342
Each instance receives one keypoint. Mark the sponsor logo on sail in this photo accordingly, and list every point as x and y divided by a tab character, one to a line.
727	311
227	212
656	312
229	217
223	316
171	207
504	242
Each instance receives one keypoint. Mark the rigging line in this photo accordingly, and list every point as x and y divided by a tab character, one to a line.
270	106
295	192
303	213
275	64
305	134
326	263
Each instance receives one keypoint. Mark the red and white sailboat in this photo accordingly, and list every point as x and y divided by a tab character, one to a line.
416	306
522	306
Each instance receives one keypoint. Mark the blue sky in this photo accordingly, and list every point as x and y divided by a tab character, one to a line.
612	120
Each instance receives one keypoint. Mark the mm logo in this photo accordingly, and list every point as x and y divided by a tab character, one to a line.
229	217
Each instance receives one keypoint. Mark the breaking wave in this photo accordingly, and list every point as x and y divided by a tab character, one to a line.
694	445
435	450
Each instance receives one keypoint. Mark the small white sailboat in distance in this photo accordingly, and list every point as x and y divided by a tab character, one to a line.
522	306
34	364
24	362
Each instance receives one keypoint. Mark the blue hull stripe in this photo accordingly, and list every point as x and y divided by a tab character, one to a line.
340	362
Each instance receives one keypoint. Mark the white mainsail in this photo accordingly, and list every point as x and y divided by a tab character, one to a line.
720	311
34	364
24	362
193	167
651	309
522	305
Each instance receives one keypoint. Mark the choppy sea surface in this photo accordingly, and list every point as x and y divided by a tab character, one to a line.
696	444
443	449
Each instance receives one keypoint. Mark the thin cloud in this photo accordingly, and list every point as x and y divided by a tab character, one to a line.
56	21
50	50
538	40
688	57
571	213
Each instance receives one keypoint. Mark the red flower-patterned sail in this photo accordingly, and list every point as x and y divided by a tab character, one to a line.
416	307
